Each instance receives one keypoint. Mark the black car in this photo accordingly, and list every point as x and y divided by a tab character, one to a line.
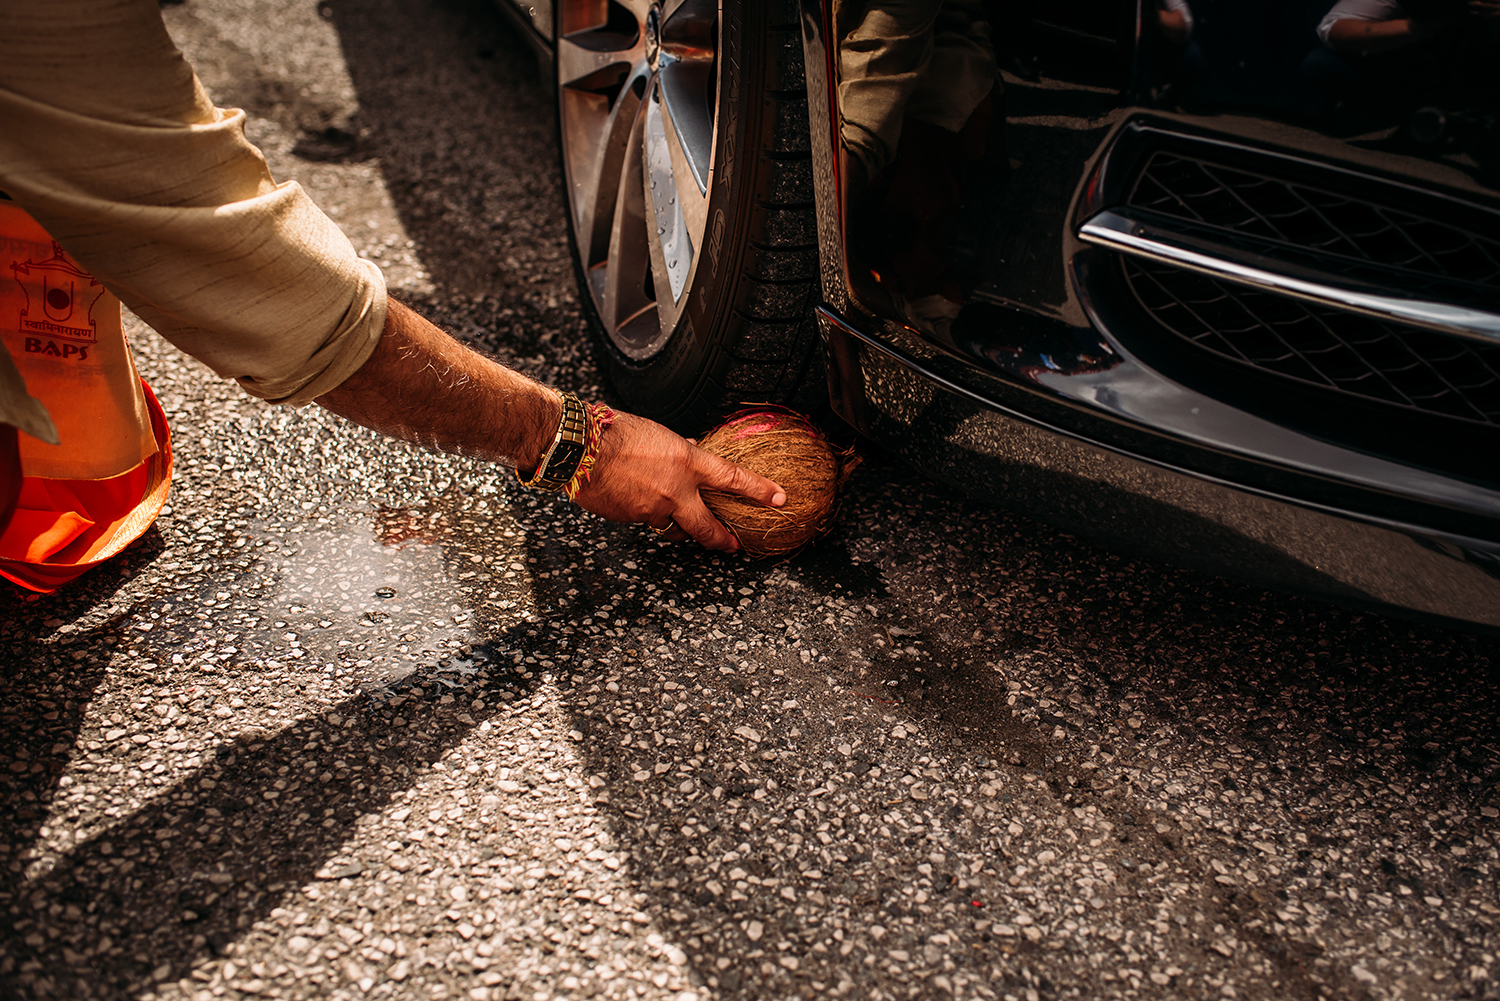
1214	279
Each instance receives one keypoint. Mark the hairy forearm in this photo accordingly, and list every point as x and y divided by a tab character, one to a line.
422	386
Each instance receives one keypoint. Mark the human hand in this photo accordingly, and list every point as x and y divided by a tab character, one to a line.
645	473
1489	9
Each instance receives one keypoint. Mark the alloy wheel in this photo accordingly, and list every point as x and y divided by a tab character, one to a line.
637	91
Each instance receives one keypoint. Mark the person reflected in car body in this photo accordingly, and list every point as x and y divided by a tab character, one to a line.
920	95
1413	60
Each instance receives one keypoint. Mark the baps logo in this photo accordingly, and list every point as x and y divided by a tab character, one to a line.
56	317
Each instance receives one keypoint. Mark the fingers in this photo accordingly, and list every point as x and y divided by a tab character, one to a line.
695	521
721	474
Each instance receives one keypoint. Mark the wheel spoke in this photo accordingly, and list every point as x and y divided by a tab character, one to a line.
625	306
581	66
596	139
636	89
671	244
690	132
683	91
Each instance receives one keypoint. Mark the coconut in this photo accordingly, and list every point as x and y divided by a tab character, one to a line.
787	447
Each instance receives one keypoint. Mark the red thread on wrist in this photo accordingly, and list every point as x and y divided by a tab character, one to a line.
599	418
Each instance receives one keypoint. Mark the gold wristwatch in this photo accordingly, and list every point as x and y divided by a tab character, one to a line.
560	461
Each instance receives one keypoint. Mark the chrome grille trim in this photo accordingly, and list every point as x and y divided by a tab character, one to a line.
1134	234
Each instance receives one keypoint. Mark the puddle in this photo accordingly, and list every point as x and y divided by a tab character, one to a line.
369	597
374	595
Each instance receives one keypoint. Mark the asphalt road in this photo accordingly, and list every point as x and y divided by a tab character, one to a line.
358	721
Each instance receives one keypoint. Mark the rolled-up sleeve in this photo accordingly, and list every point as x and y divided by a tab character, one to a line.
109	141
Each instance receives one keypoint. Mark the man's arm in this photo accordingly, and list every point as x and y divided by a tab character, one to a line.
1357	37
111	144
422	386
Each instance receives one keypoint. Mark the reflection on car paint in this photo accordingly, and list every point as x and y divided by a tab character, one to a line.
1229	238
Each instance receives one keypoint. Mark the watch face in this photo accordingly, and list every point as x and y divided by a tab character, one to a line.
566	452
565	456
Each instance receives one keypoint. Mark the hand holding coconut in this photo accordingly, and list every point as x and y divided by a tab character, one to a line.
646	473
628	468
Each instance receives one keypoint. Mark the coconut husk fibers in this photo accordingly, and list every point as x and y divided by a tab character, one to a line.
784	446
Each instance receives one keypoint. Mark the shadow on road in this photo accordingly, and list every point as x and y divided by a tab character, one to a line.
1327	706
187	873
453	109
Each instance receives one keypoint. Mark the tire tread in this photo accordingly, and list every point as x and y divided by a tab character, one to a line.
772	348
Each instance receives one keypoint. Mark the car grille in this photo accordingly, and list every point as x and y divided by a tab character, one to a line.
1346	353
1308	217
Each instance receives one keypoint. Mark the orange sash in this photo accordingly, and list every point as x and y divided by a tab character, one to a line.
83	500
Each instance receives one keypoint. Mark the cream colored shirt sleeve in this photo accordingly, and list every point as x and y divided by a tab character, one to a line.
109	141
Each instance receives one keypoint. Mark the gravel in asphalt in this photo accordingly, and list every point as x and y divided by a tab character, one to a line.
354	720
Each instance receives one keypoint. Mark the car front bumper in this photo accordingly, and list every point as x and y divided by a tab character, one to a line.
1084	469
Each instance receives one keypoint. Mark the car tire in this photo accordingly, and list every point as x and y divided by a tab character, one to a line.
686	159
